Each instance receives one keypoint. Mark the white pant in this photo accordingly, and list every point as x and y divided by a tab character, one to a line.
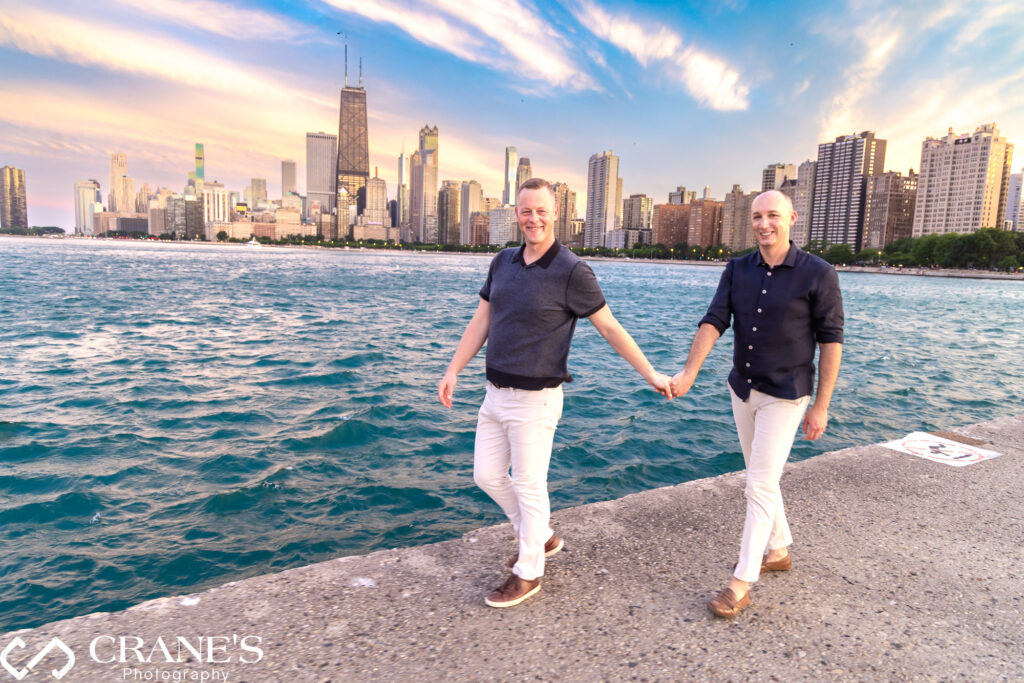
516	428
766	426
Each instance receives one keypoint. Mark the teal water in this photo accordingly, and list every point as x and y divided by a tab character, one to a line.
173	417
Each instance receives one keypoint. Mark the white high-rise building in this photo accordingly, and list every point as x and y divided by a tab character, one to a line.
471	201
603	185
117	200
502	225
508	192
216	203
802	202
963	183
1015	202
376	210
321	166
87	196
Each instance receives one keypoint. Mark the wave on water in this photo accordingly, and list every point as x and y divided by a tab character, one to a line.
172	418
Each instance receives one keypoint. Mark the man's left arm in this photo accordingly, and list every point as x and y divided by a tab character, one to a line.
620	340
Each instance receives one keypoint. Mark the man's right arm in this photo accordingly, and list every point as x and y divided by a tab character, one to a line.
472	341
703	342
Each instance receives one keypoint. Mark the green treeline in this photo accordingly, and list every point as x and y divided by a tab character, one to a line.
986	249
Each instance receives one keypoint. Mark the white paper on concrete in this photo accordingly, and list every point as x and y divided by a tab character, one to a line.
939	449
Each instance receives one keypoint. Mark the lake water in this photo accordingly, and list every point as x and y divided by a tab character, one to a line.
173	417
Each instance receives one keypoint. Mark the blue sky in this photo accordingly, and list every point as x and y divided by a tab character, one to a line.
686	93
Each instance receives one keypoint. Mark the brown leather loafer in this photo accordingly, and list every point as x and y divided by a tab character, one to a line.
512	592
553	545
783	565
727	605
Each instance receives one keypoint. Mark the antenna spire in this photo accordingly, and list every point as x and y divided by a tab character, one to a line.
360	71
346	64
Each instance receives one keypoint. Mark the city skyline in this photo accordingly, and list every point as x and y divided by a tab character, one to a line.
683	95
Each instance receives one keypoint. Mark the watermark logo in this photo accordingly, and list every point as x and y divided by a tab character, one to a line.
55	643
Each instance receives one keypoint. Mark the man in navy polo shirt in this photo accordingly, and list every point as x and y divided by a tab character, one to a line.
527	313
781	301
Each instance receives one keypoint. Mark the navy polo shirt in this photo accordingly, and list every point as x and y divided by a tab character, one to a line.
534	309
778	314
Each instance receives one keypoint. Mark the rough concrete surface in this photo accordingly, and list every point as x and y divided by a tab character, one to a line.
903	569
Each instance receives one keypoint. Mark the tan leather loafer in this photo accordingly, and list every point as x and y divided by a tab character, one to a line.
727	605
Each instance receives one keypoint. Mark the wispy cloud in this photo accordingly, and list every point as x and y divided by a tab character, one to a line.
506	36
93	44
224	19
708	79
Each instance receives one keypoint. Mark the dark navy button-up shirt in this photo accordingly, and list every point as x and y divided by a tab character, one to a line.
778	314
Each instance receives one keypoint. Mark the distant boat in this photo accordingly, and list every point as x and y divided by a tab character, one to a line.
253	243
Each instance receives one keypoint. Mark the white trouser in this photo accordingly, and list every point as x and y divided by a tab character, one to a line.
766	426
516	428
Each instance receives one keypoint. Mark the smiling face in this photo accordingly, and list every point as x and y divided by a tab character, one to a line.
536	214
772	216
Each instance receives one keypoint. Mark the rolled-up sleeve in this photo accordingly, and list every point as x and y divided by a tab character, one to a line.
720	311
827	310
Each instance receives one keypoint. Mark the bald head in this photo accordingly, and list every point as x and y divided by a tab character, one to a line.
772	217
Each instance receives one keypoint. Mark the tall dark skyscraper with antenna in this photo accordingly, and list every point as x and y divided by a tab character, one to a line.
353	151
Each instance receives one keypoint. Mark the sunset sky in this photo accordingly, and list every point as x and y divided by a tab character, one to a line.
686	93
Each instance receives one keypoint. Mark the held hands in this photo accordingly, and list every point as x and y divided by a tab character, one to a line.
445	389
662	384
815	422
682	382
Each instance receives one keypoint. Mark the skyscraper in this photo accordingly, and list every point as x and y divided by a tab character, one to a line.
737	229
200	162
636	212
321	168
602	184
353	154
508	192
803	200
840	183
889	208
964	182
565	201
117	197
471	201
402	195
501	225
670	224
524	171
1015	202
423	188
775	174
288	178
87	196
13	203
257	191
705	228
376	201
449	212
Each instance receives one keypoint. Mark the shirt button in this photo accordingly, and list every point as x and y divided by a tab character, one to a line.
759	310
769	273
748	365
764	291
750	348
750	381
755	329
